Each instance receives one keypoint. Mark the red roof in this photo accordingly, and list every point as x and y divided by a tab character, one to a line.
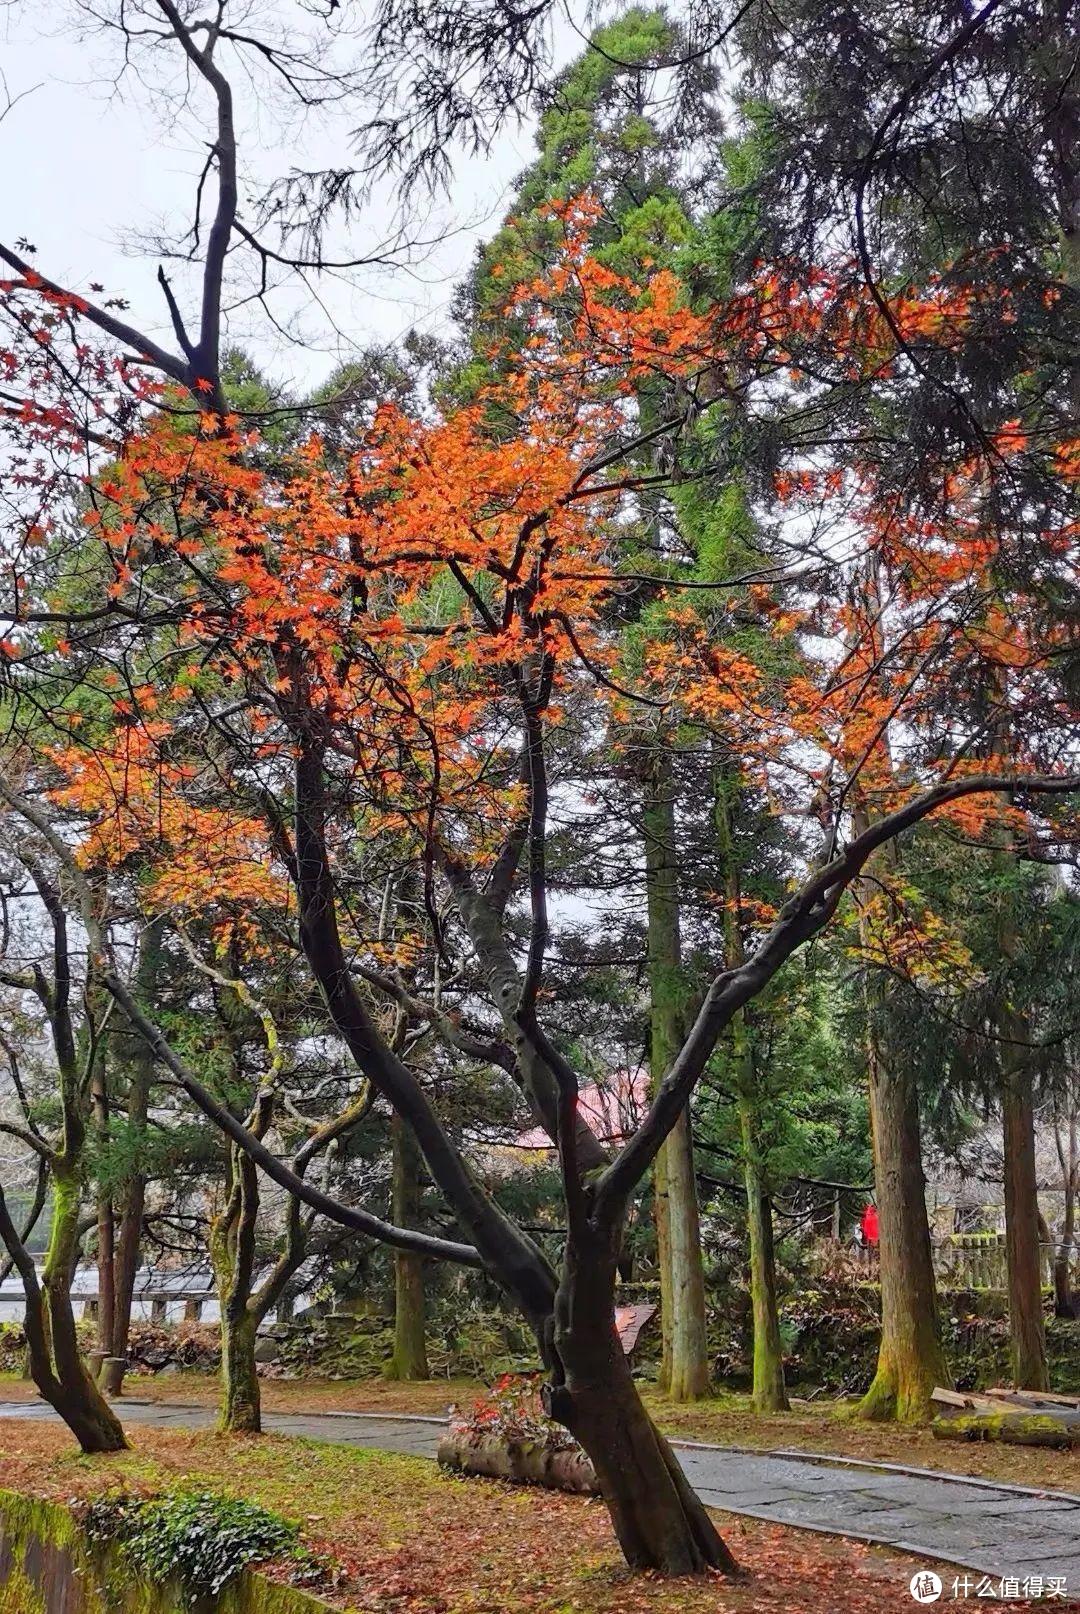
611	1109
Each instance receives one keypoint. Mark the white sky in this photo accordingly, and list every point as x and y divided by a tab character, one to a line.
89	171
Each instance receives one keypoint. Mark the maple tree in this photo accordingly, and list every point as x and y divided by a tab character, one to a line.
390	646
287	656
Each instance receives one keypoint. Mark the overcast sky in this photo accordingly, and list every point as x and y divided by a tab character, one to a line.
89	170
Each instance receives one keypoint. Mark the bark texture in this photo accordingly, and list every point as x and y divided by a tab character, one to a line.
56	1363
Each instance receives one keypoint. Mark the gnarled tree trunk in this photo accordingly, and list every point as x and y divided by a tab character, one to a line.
660	1522
56	1363
241	1401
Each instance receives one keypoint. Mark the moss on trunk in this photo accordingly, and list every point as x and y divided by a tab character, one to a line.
241	1400
56	1363
911	1360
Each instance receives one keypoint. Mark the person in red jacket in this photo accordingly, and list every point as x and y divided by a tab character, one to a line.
869	1225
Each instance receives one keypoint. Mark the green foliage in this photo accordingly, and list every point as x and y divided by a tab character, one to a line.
200	1537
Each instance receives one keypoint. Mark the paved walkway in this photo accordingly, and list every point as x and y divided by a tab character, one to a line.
996	1530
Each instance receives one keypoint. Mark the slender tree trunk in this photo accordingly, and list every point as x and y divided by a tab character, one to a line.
911	1360
1064	1301
685	1365
409	1360
769	1390
105	1221
770	1393
1023	1256
106	1266
658	1519
232	1252
689	1345
139	1062
1064	1304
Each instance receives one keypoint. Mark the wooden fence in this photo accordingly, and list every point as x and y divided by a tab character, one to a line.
974	1261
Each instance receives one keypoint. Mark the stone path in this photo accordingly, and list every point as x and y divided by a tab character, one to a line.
996	1530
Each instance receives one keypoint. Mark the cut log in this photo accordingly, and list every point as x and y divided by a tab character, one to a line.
1014	1429
523	1462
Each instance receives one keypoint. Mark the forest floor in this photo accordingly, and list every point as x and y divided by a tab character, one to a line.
727	1420
404	1538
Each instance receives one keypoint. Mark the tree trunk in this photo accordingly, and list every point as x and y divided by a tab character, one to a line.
1064	1301
139	1061
241	1401
1026	1327
409	1360
911	1360
56	1363
106	1268
689	1373
659	1521
684	1372
106	1254
770	1393
125	1267
769	1390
